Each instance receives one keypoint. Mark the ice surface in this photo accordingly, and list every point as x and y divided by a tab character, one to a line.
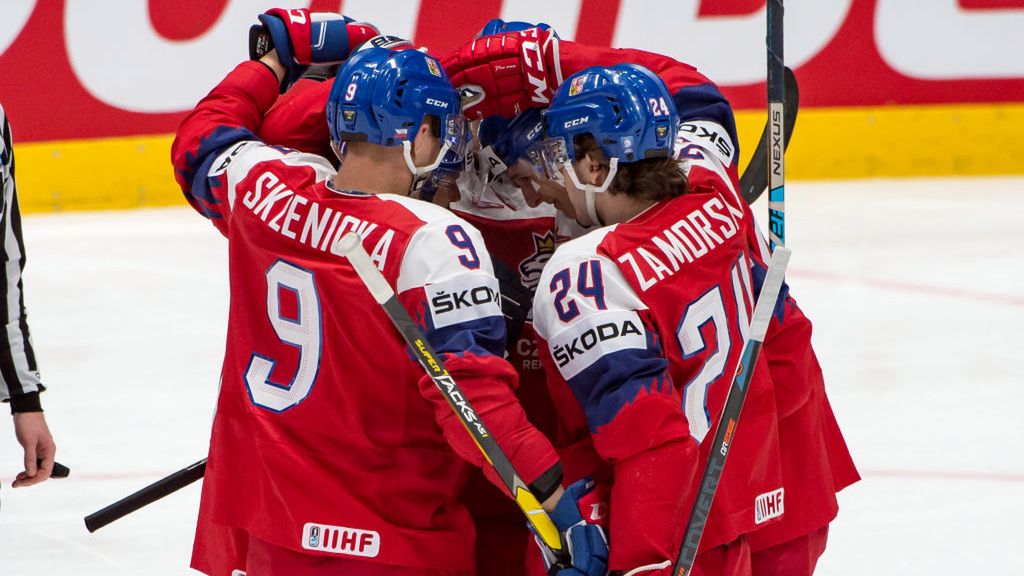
916	289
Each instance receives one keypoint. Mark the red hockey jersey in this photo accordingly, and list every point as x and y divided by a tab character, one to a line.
816	463
644	324
328	437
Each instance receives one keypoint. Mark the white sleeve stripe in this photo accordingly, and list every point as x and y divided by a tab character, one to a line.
240	158
430	257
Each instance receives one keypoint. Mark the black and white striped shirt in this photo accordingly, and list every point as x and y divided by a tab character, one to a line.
19	376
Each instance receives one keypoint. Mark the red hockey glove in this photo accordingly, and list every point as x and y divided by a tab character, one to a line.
505	74
302	38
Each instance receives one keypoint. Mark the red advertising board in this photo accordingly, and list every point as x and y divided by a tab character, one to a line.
81	69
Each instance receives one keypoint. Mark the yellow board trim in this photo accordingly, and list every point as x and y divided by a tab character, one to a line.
898	141
101	174
829	143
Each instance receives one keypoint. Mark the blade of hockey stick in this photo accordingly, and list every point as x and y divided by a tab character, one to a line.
729	419
351	247
754	180
147	495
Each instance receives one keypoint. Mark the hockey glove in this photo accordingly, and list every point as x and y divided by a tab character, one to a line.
302	38
585	540
504	74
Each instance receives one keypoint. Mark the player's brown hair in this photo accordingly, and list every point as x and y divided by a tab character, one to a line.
651	179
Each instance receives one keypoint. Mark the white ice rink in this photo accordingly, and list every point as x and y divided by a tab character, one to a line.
916	289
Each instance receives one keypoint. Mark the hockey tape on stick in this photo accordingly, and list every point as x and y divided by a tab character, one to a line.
147	495
351	247
729	419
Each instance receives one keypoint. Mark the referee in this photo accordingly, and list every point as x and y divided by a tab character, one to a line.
19	377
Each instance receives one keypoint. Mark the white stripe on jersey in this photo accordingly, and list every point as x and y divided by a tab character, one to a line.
462	299
239	160
595	336
710	136
432	257
713	160
618	295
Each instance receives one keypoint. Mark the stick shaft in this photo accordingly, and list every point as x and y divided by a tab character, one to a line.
776	122
351	247
146	496
729	420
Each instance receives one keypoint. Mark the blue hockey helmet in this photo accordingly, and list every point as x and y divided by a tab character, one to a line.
626	108
382	96
505	142
499	26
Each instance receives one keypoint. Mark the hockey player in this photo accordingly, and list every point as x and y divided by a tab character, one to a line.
520	238
815	460
331	452
643	321
816	463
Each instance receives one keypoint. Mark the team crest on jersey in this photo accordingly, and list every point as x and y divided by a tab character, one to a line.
531	267
577	84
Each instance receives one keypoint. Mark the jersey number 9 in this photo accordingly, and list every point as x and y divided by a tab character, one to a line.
301	331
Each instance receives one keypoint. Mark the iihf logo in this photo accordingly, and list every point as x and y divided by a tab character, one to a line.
314	537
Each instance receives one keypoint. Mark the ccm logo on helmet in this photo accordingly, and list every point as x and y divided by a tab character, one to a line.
576	122
436	102
535	131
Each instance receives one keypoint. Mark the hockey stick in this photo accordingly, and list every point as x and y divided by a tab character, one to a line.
731	412
147	495
776	118
351	247
754	180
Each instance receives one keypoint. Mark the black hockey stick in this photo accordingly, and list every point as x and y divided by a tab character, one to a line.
147	495
351	247
731	412
776	120
754	180
59	470
516	302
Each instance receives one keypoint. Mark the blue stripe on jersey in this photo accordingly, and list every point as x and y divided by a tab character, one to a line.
479	337
199	164
614	381
706	102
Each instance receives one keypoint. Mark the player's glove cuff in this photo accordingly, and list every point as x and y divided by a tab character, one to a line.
302	38
585	541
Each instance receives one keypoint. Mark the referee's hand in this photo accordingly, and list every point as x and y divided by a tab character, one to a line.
34	436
